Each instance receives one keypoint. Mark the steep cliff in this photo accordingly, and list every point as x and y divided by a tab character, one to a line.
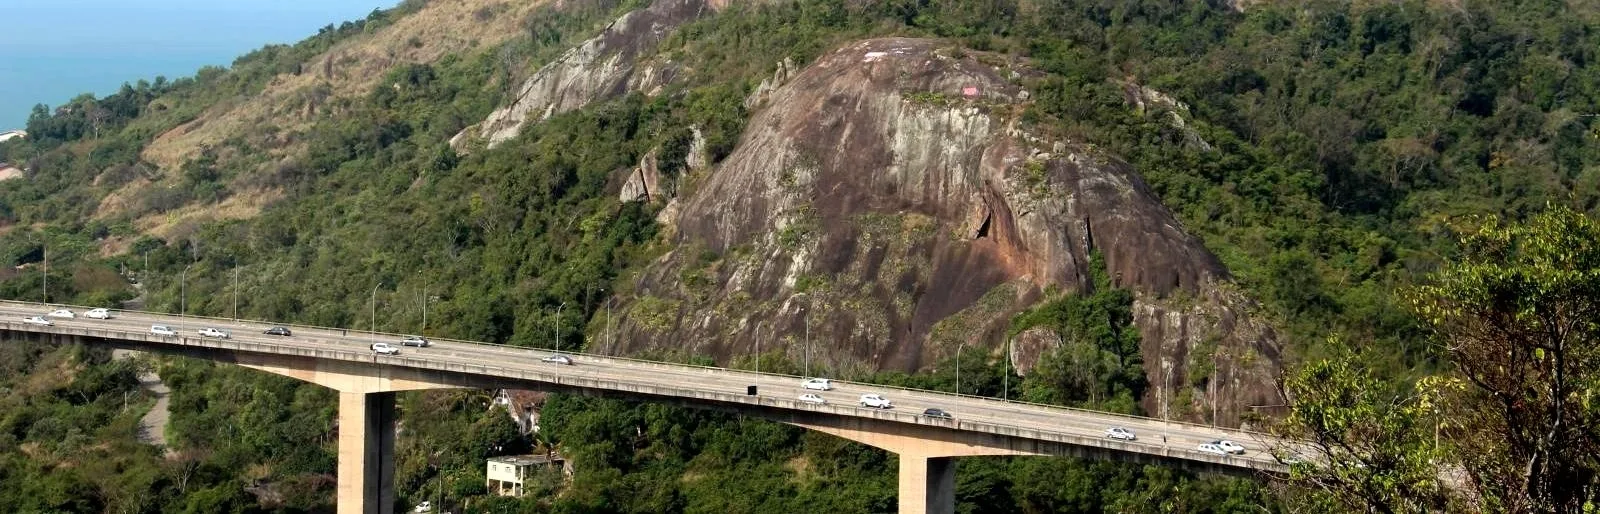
890	196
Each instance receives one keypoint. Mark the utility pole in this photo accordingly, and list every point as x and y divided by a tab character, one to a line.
558	326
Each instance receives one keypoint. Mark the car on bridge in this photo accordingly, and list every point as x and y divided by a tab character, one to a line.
416	341
937	413
100	313
558	359
817	384
212	332
62	313
277	331
37	320
162	330
812	398
385	349
876	401
1211	448
1229	446
1121	433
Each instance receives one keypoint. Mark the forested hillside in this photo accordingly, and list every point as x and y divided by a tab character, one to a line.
1337	158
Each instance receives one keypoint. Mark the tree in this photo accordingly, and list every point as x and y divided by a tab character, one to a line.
1519	317
1361	443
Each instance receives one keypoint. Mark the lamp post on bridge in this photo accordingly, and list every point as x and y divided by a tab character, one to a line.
1005	385
236	293
558	326
807	333
611	345
374	327
183	291
958	366
44	294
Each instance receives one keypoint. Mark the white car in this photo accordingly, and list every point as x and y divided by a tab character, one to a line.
212	332
37	320
874	400
162	330
1212	448
813	399
558	359
1229	446
423	507
416	341
62	313
385	349
1121	433
817	384
101	313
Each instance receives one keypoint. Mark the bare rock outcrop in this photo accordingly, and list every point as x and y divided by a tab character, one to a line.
644	181
601	68
888	195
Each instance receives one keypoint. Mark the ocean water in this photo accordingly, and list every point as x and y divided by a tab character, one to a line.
54	50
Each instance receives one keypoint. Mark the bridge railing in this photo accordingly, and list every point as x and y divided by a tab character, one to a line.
351	332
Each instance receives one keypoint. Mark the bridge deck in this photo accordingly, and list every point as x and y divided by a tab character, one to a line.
684	383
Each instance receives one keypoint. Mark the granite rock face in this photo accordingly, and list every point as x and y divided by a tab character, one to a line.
604	67
888	195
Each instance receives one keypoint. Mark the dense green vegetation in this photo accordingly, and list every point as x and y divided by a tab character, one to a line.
1327	148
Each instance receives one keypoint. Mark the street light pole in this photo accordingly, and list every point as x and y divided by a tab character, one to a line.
958	366
44	293
558	326
807	332
611	345
183	291
374	326
1005	391
236	294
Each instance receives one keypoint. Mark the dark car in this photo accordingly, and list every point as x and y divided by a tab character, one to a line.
937	413
277	331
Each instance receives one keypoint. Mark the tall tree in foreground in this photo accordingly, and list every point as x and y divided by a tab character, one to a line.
1512	425
1519	318
1364	443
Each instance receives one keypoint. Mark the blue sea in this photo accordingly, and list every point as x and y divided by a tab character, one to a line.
54	50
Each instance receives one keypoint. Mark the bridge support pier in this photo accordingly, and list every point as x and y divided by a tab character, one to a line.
927	484
366	453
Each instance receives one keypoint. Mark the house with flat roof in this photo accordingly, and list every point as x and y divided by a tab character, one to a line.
506	475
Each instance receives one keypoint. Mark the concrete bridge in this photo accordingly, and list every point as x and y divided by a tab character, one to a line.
926	447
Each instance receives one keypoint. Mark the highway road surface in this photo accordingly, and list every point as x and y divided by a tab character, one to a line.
1178	440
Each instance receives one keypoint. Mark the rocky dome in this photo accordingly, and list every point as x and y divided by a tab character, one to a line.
890	196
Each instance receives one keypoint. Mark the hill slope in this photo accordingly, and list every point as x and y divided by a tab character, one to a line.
1158	206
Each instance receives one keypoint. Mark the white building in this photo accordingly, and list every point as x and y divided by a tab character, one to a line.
506	475
12	134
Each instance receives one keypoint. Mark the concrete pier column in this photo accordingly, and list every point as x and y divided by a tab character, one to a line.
366	453
927	485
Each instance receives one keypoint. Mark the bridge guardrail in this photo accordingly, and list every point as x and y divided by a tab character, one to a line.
1258	435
